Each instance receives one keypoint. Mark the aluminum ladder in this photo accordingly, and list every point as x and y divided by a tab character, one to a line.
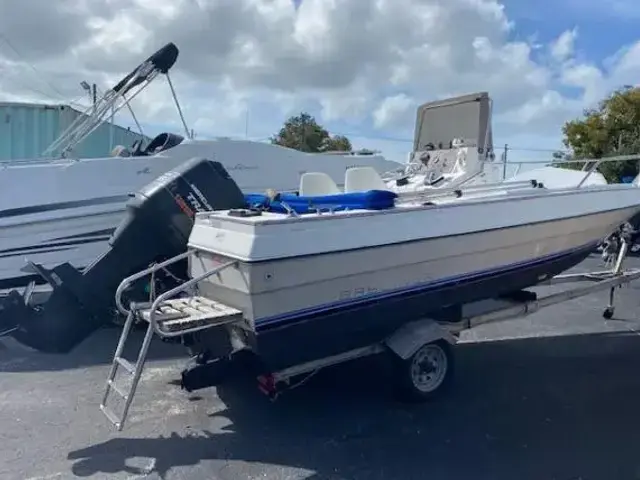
166	317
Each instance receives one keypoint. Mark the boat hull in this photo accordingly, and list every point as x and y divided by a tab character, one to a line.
313	306
272	291
77	237
329	333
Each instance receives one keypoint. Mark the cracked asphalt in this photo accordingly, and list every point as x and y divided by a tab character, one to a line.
553	396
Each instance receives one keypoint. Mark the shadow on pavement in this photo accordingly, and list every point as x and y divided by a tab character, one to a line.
552	408
98	349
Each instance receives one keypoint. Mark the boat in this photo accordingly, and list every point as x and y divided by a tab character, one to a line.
286	279
286	284
59	208
328	274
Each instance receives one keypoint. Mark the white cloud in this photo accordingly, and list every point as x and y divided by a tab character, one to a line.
360	65
563	47
392	109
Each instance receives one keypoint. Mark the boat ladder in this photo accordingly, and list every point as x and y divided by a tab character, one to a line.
166	317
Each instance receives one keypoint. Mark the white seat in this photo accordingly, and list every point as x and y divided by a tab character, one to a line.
317	184
362	179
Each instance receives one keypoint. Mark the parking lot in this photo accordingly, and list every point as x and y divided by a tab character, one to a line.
551	396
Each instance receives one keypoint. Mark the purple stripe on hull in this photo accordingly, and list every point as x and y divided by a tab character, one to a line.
283	319
339	328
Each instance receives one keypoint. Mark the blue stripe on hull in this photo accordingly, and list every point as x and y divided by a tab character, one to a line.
291	317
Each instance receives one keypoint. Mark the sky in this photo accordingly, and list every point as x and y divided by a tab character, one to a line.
361	67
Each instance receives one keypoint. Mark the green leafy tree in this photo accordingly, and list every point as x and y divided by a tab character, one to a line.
611	129
303	133
337	143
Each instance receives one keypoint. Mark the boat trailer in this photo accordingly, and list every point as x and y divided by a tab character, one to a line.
422	351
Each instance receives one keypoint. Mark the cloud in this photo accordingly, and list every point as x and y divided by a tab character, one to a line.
360	66
393	109
563	47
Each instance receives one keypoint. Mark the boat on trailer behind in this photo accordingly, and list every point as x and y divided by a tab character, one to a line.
61	208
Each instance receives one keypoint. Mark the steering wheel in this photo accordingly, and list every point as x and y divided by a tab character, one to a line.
431	176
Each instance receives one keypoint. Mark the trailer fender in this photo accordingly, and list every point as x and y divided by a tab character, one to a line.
407	340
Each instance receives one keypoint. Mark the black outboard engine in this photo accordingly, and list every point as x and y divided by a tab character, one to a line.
157	226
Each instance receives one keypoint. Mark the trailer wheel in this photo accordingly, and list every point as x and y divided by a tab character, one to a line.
425	373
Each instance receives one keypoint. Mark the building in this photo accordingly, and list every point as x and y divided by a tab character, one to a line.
26	130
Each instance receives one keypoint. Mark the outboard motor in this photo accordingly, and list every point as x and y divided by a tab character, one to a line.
157	226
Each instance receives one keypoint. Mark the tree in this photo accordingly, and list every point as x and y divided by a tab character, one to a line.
337	143
611	129
560	159
303	133
560	156
367	151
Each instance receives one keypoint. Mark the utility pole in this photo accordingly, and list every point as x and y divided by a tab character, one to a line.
87	88
113	112
504	159
92	91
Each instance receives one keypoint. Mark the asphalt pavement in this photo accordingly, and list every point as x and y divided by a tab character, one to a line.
551	396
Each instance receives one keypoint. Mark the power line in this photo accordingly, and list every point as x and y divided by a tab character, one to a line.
39	92
541	150
73	102
262	138
410	140
372	137
35	70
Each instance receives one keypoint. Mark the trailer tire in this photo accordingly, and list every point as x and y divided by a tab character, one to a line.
426	373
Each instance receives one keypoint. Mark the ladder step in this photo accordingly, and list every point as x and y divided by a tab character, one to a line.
190	313
196	321
174	317
113	418
126	364
113	385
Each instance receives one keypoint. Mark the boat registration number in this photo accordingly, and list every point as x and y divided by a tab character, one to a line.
357	292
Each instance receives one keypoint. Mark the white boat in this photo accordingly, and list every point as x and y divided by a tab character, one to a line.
296	283
322	282
55	210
